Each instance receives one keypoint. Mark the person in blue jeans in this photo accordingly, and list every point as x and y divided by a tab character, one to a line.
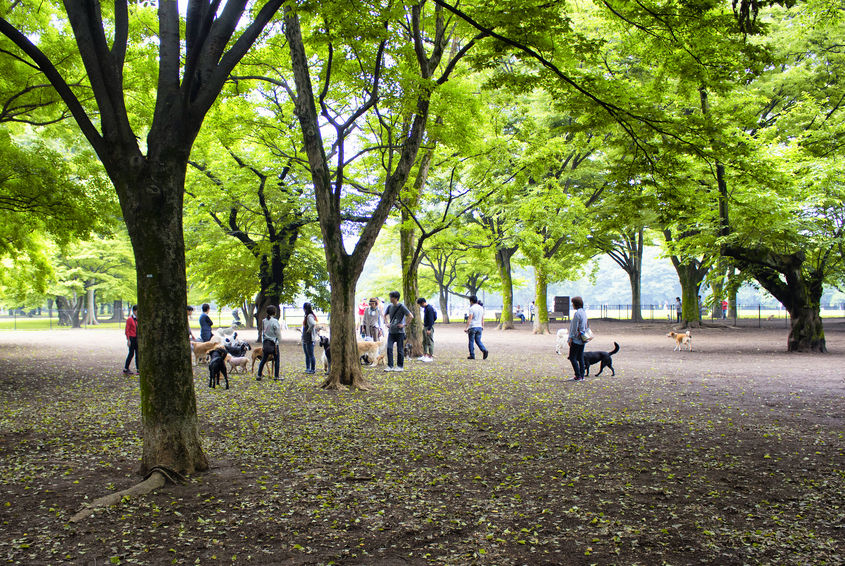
474	328
309	336
396	316
577	326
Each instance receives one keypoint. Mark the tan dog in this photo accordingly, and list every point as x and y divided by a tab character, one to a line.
234	362
258	353
681	339
202	349
371	350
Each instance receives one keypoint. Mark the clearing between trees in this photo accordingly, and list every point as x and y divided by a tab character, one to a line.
729	454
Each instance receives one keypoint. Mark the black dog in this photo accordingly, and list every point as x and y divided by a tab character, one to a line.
324	343
236	347
216	366
591	358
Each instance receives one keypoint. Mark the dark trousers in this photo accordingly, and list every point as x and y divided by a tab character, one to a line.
310	360
133	352
399	340
576	356
273	348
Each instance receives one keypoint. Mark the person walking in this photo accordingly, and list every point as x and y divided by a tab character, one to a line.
271	333
205	323
577	326
474	328
372	321
309	336
131	331
429	316
678	308
396	315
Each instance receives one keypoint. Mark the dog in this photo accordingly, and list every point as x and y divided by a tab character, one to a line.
225	331
370	350
258	354
237	348
327	353
236	362
202	349
562	340
597	356
217	366
680	340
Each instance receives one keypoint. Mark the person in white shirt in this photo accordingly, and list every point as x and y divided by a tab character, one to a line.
475	326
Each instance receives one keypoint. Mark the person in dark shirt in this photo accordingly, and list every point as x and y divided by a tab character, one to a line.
205	323
429	316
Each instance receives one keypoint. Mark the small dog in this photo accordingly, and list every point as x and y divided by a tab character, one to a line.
237	348
225	331
370	350
562	340
217	366
327	353
237	362
596	356
202	349
680	340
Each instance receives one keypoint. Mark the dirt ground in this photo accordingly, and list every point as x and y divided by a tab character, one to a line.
729	454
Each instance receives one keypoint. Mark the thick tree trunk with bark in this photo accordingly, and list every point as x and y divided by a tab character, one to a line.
690	277
797	286
91	308
634	276
346	362
153	212
503	262
69	310
541	302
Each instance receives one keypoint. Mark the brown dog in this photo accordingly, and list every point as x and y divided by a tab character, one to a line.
681	339
256	354
202	349
371	350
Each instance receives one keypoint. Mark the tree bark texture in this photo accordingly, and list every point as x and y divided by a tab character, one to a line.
541	302
503	262
797	286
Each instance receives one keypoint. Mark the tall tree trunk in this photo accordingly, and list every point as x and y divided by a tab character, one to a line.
690	277
541	292
153	212
346	363
443	296
503	262
634	276
91	308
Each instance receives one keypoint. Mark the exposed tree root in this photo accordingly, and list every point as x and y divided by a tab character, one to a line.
157	477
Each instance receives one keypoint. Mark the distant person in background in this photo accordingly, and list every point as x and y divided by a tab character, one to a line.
372	321
131	332
362	308
395	317
678	308
724	309
577	326
532	310
190	331
271	332
519	314
309	336
429	316
205	323
475	326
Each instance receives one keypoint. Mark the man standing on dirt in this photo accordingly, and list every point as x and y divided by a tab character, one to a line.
475	326
396	316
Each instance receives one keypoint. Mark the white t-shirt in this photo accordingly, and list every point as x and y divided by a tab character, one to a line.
477	313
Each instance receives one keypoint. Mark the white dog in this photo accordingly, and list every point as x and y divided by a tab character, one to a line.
562	340
225	331
234	362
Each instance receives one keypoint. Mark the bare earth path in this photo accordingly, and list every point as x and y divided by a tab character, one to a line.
731	454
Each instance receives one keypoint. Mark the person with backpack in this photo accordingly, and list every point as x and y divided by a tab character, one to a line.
429	316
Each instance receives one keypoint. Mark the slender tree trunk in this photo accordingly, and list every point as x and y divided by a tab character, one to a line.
410	291
503	262
541	293
443	296
153	212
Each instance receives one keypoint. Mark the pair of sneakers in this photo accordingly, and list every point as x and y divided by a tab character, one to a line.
391	368
128	371
425	359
